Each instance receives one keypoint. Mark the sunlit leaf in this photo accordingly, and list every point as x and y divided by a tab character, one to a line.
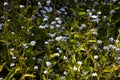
27	75
81	13
91	41
111	69
1	66
12	73
3	41
78	36
82	48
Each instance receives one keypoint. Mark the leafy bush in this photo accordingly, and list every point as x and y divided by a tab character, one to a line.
59	40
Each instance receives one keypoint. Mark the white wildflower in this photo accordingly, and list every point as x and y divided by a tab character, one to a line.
94	74
57	25
65	58
99	41
75	68
35	67
57	54
45	72
65	73
45	19
94	16
33	43
21	6
13	57
96	57
5	3
59	38
57	18
48	63
12	64
53	22
79	62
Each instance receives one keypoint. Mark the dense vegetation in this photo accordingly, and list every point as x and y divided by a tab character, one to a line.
60	40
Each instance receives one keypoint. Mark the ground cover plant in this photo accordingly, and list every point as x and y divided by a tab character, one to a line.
59	40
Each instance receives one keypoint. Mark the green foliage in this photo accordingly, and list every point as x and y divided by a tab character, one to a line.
59	40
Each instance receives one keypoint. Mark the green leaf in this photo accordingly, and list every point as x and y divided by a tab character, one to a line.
73	40
91	41
82	47
78	36
27	75
1	66
12	73
81	13
3	41
111	69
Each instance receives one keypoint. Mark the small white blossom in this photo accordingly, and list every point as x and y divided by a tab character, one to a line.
22	26
52	35
12	49
52	27
65	73
111	39
33	43
95	33
1	78
9	20
25	45
60	51
57	25
49	9
116	41
21	6
48	2
84	25
112	46
65	58
63	78
94	74
112	11
79	62
32	34
33	58
46	26
5	3
75	68
13	57
106	48
48	63
99	13
45	19
95	56
57	18
57	54
94	16
46	42
59	22
12	64
108	24
99	41
88	10
90	13
35	67
117	50
41	27
59	12
13	33
45	72
59	38
53	22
